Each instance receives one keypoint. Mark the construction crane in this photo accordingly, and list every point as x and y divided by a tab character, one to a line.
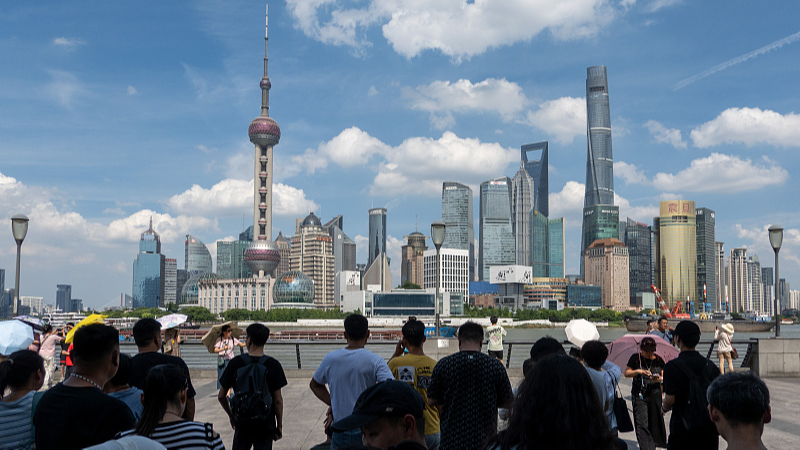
677	310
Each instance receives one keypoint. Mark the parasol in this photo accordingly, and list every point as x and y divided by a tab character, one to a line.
210	338
14	336
581	331
92	318
620	351
35	322
172	320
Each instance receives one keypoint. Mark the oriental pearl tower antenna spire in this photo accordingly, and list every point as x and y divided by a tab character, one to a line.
262	255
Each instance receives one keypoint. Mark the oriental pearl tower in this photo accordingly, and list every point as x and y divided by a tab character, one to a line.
262	255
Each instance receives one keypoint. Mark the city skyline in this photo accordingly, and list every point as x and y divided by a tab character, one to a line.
377	112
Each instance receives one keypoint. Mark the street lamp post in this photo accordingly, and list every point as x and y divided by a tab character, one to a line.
437	235
19	228
775	239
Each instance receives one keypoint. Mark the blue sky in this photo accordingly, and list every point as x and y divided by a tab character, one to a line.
111	113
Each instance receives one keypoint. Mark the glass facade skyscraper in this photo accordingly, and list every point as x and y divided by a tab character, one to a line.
63	297
555	247
148	271
538	170
198	258
344	248
230	259
638	238
706	260
522	199
677	252
547	246
603	222
458	218
497	238
377	234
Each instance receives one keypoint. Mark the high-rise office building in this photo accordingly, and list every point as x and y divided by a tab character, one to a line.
230	259
546	246
197	256
247	234
497	238
721	276
738	285
412	258
262	255
706	259
783	291
768	289
148	271
555	247
637	237
676	252
170	281
377	234
522	200
311	252
454	270
2	281
181	277
754	284
458	218
537	168
284	246
600	216
344	248
63	297
607	266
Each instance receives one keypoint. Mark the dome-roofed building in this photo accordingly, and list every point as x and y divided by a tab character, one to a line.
311	220
188	294
293	289
311	253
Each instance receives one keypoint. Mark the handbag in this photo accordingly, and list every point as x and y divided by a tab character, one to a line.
624	422
220	361
734	354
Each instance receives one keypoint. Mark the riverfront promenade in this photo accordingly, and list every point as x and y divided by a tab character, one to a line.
304	414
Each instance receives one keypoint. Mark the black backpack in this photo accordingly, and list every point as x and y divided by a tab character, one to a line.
252	400
695	413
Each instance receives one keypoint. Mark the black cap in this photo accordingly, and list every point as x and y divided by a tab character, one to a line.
685	329
388	398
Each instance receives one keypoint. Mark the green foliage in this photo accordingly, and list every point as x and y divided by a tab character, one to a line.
409	285
283	314
198	314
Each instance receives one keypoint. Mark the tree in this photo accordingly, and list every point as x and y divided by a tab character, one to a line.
409	285
198	314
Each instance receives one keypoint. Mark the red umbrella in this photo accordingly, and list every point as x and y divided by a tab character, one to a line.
620	351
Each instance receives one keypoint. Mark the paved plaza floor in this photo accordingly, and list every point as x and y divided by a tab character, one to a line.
304	414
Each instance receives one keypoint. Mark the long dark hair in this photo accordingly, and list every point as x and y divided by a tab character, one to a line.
556	407
17	370
162	386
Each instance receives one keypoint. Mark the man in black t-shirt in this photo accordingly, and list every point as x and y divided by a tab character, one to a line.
469	386
147	335
258	435
77	413
676	389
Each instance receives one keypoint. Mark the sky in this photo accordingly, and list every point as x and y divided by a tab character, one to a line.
148	103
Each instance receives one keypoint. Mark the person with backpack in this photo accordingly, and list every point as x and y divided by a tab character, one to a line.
686	381
256	408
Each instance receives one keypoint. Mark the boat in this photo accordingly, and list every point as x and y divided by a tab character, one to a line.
639	324
787	322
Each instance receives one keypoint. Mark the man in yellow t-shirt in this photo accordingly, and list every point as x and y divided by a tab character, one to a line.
415	368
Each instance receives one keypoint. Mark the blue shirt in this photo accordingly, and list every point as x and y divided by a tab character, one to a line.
667	335
605	382
132	398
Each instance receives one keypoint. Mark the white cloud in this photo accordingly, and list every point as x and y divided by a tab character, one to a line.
722	174
456	28
231	197
132	90
65	87
568	203
630	173
372	91
443	97
656	5
68	44
749	126
757	242
642	214
664	135
563	118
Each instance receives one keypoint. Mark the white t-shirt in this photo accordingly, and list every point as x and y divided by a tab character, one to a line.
496	333
347	373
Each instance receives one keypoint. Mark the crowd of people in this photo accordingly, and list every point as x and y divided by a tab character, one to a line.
112	400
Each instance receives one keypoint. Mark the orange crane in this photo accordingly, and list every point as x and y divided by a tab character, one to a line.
677	310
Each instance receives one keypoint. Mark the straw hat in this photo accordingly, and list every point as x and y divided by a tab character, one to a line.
728	328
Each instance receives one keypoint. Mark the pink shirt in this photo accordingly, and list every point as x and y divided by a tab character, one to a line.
231	342
48	347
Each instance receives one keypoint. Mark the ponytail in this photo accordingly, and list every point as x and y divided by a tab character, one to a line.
162	387
17	370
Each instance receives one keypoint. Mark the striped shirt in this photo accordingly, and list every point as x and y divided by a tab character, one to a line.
185	435
16	423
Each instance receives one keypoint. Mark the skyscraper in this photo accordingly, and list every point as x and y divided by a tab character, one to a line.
497	238
607	265
412	258
311	252
458	218
344	248
754	285
637	237
768	289
148	271
706	259
230	259
170	281
676	249
555	247
738	286
600	216
522	200
63	297
263	256
722	285
538	169
197	256
285	249
377	234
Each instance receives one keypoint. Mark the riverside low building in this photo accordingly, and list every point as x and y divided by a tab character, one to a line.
403	303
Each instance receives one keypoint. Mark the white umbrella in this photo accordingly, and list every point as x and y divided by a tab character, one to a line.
172	320
581	331
14	336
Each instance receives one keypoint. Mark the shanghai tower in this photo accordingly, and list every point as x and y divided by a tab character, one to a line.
600	216
262	255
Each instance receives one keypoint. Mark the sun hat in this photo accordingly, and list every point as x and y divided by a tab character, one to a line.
728	327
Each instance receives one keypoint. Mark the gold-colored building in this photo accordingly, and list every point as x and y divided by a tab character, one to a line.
676	252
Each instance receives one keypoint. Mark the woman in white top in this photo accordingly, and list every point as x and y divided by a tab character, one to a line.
224	348
48	351
725	348
23	374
